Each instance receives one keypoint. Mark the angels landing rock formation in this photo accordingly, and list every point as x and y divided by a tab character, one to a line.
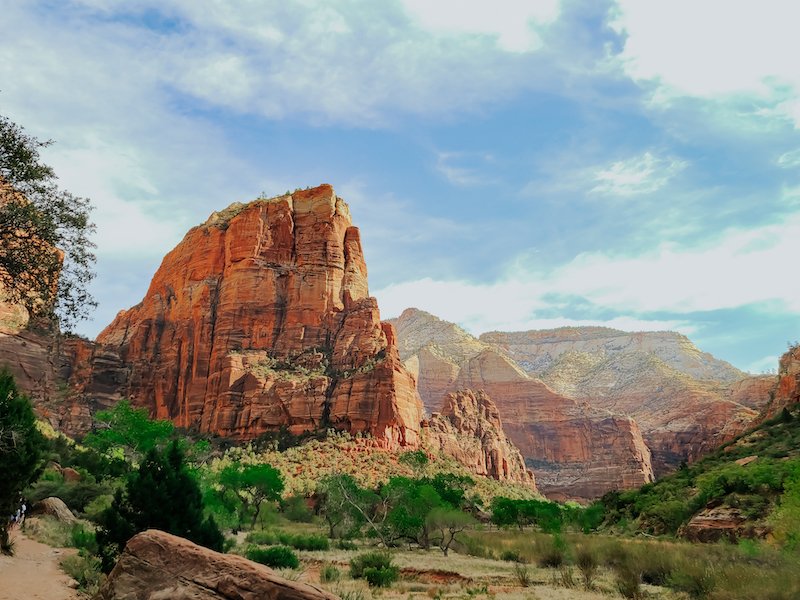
469	428
260	319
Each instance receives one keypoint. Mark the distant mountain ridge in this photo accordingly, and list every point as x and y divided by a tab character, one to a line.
685	402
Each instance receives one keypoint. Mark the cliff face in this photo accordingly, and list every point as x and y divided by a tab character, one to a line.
574	450
259	319
785	391
685	401
469	429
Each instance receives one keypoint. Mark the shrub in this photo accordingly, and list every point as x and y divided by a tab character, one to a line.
376	567
628	581
511	556
553	553
697	579
295	509
566	577
84	569
266	538
276	557
94	509
522	574
586	561
329	573
83	538
346	545
309	542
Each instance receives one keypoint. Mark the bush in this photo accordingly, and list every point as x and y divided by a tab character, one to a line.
329	573
511	556
346	545
376	567
84	569
586	561
298	541
83	538
94	509
554	553
697	579
295	509
522	574
277	557
628	581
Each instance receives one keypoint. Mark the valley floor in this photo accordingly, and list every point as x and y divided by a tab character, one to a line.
33	573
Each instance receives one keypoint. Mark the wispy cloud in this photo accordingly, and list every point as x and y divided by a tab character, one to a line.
464	169
638	175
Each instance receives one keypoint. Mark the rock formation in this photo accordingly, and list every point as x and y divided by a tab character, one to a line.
469	429
685	401
574	450
155	564
786	391
261	319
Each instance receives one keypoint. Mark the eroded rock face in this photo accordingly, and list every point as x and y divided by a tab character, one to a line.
260	319
715	523
469	429
685	401
574	449
786	391
155	564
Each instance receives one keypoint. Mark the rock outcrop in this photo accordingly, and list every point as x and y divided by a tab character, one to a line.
685	401
721	523
261	319
53	507
786	391
574	450
469	429
155	564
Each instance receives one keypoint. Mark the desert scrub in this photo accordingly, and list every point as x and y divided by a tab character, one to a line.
553	552
522	574
277	557
85	569
586	561
329	573
297	541
376	567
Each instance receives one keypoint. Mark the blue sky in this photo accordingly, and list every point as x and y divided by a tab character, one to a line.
512	165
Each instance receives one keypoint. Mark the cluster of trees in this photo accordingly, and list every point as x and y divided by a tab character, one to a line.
550	517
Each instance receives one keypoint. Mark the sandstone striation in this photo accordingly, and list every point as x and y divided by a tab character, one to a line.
261	319
574	450
155	564
685	401
786	391
469	429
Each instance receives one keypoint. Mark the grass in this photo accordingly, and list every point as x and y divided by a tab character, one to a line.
85	569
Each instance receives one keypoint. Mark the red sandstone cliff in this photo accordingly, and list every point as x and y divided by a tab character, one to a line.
469	429
574	450
259	319
785	391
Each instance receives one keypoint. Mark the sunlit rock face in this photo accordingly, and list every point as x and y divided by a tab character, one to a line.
575	450
468	428
261	319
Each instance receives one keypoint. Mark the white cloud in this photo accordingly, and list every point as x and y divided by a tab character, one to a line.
715	49
740	268
463	169
766	364
638	175
789	160
512	22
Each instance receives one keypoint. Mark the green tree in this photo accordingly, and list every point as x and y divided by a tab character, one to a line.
36	217
127	431
446	524
161	494
344	505
252	485
22	449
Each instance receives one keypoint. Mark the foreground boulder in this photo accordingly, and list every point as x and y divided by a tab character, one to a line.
157	565
53	507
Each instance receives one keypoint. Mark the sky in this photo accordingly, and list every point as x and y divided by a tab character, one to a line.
511	164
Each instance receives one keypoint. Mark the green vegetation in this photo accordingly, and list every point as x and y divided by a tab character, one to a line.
36	222
277	557
21	451
376	567
766	480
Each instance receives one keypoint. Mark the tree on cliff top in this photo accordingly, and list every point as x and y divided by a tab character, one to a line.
36	217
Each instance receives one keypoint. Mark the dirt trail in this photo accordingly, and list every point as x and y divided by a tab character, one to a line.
33	572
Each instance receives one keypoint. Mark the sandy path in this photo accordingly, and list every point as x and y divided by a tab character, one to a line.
33	572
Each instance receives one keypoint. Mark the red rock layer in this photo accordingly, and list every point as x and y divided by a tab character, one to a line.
469	429
786	391
261	319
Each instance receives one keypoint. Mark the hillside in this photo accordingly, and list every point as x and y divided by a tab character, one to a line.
731	493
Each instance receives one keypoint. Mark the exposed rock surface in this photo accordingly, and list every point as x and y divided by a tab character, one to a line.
469	428
574	450
260	319
53	507
786	392
685	401
715	523
155	564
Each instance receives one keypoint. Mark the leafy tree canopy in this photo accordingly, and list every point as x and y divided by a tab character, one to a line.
36	217
22	449
128	431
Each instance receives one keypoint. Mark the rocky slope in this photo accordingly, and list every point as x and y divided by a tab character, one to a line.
685	401
786	392
261	319
469	428
574	450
